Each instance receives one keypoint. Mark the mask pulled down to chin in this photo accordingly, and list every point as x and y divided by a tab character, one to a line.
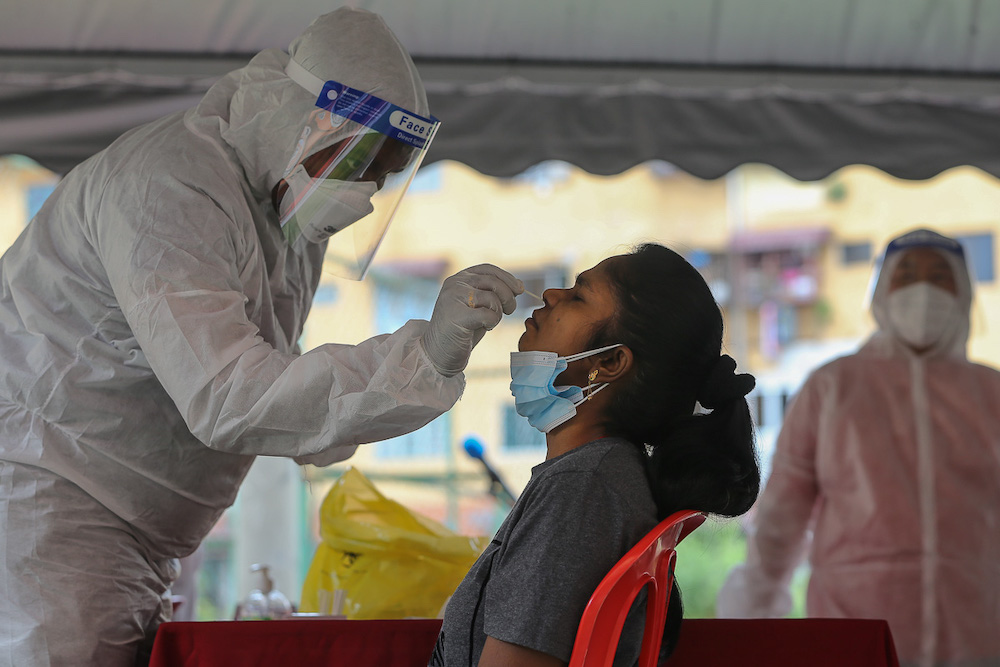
537	398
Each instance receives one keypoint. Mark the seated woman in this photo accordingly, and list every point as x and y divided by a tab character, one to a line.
631	346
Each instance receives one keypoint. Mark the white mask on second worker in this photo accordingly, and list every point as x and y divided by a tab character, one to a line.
921	313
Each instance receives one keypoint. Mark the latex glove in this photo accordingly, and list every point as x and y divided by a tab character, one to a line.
471	303
744	594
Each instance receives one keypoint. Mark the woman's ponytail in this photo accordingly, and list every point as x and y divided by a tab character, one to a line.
707	462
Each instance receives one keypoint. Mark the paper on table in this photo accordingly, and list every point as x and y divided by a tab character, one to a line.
331	603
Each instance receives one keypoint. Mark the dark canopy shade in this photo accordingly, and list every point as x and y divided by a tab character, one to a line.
806	86
709	121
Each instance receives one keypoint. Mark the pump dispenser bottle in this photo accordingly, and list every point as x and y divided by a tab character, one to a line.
264	602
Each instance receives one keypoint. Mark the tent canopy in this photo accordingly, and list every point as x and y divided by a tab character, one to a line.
808	86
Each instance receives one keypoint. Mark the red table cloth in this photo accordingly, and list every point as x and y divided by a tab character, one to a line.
298	642
814	642
809	642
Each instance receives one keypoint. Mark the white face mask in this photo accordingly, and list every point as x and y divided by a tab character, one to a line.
922	314
328	205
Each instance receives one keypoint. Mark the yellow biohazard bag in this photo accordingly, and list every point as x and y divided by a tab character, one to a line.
381	559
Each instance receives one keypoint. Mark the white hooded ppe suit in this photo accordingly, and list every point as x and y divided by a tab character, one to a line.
893	460
148	324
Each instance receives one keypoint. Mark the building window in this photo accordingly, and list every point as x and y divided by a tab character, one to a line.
786	399
431	441
537	281
428	178
756	402
398	299
326	295
518	434
36	196
856	253
714	267
545	176
979	255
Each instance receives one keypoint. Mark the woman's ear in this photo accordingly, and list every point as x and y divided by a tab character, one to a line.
614	364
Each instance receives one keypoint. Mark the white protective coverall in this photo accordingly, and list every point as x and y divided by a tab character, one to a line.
148	324
893	461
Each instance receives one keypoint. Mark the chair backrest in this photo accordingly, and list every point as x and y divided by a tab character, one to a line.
650	562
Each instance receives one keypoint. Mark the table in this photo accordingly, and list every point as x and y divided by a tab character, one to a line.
298	642
814	642
810	642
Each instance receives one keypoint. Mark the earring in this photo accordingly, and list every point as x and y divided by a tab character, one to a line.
590	383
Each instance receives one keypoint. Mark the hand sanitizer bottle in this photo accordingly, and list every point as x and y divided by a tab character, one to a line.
264	602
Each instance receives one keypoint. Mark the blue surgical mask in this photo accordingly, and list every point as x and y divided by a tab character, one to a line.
536	398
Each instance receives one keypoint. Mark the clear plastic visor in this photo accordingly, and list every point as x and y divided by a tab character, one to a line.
351	167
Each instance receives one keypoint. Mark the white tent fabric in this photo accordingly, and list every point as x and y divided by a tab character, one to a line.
909	86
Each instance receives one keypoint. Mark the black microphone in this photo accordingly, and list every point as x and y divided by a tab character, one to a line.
498	488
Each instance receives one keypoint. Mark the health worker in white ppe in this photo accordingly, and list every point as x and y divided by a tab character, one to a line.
148	324
890	457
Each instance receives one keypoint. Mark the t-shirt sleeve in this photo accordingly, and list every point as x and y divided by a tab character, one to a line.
572	532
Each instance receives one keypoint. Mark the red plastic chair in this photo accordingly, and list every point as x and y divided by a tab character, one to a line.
651	562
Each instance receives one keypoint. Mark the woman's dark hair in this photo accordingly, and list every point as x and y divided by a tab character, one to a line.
667	316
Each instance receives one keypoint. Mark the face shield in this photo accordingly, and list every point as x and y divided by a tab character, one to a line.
351	167
954	255
950	249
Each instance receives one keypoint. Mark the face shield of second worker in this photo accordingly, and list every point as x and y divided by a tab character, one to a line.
953	328
351	167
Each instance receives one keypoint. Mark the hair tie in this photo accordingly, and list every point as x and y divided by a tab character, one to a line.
723	384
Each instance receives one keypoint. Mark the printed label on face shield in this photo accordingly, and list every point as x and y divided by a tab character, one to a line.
375	113
411	124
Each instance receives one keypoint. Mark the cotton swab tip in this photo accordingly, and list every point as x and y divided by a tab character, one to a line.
534	296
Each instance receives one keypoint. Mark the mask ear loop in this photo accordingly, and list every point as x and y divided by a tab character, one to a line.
589	353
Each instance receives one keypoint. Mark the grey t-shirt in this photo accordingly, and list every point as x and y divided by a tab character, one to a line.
578	515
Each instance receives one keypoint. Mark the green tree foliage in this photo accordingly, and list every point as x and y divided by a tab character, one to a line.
705	558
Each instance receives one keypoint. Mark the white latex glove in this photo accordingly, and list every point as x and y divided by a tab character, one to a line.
471	303
742	596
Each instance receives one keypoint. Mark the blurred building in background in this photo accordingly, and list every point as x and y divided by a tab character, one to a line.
788	261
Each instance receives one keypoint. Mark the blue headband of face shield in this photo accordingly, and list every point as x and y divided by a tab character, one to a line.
925	238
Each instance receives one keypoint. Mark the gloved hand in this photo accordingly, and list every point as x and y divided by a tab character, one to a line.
471	302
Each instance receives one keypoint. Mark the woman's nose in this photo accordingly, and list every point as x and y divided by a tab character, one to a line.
552	295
